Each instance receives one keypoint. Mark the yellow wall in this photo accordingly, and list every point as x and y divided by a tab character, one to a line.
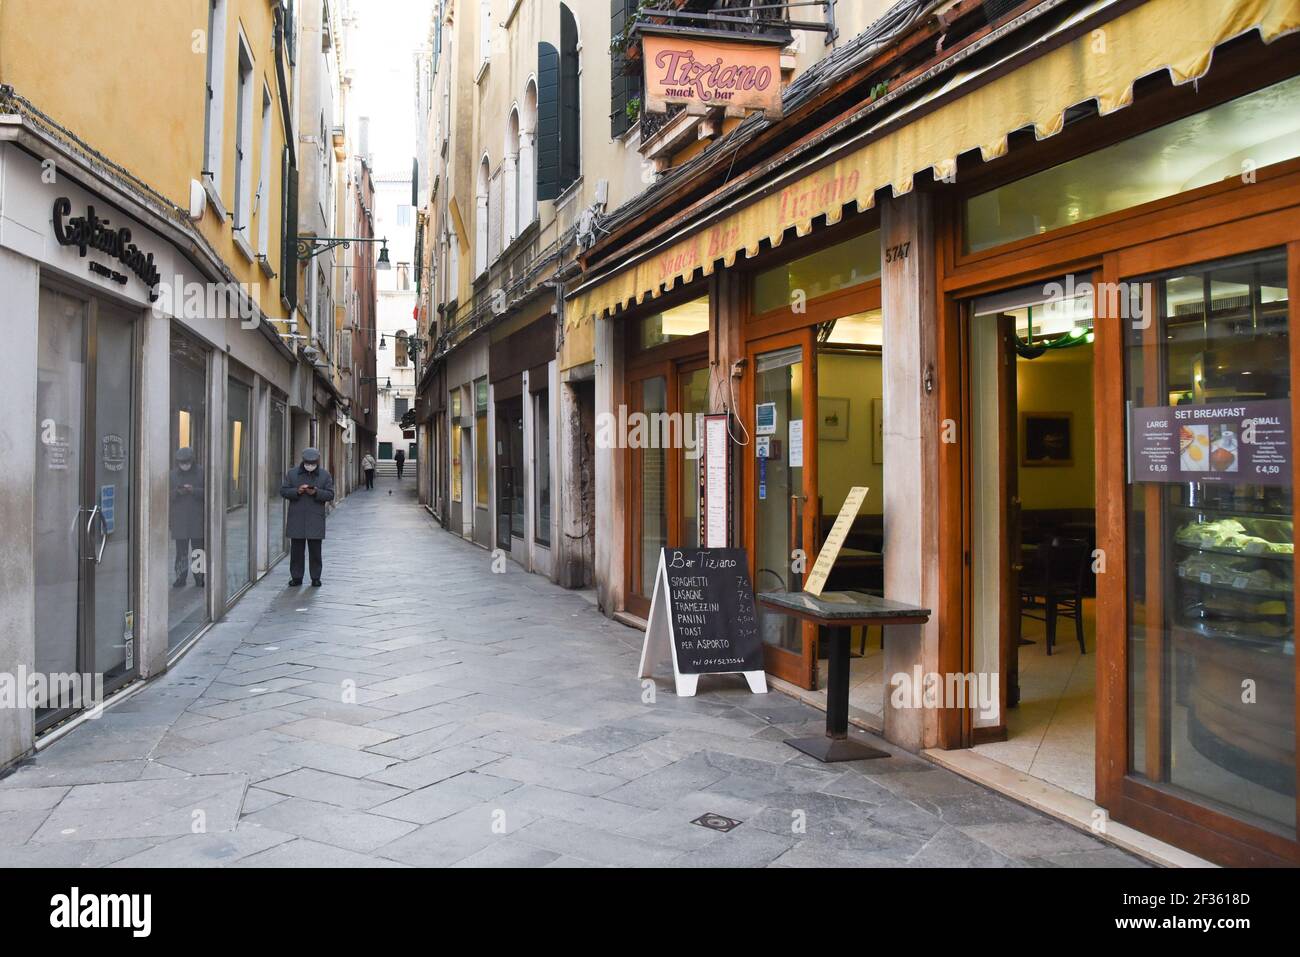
1060	382
842	465
129	79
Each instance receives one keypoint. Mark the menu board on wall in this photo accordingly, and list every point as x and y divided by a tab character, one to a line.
1243	443
715	481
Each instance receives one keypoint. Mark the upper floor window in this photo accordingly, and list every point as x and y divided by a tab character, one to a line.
214	114
244	140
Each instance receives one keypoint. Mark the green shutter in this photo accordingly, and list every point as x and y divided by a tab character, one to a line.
621	85
288	231
570	102
548	122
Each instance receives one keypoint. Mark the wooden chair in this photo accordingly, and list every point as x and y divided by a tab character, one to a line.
1053	584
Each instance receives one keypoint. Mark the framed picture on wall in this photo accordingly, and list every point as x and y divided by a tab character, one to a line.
834	424
1046	439
878	431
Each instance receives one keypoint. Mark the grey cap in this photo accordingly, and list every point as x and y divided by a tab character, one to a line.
185	454
311	455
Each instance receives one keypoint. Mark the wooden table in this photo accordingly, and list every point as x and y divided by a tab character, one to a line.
838	613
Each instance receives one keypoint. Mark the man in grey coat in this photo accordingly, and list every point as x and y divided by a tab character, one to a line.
308	487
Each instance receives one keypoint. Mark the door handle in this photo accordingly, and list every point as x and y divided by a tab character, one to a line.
103	528
90	524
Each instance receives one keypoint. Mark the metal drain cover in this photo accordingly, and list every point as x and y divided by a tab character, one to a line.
716	822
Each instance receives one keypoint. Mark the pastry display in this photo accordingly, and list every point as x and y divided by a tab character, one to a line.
1240	536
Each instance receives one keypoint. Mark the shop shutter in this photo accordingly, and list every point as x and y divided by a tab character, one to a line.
621	85
548	122
570	101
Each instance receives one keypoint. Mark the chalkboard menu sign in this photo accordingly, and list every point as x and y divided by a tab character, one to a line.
702	614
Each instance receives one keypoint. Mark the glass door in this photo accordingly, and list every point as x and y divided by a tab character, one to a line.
510	470
648	489
780	484
85	555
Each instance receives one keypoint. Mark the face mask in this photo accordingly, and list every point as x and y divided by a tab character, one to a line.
309	468
186	466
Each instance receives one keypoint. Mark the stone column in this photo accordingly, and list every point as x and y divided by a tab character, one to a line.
154	445
21	282
911	434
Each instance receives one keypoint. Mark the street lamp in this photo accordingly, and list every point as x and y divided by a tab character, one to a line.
309	246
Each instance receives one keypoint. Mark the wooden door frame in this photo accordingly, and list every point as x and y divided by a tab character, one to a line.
670	362
1152	805
1210	223
799	669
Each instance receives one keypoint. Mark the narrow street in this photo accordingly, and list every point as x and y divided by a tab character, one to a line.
490	719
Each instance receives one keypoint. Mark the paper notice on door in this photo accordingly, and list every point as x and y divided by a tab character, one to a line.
835	540
796	443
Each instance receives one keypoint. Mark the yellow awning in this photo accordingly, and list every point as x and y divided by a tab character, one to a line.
1102	66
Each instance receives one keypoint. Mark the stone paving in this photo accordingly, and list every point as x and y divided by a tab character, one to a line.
419	710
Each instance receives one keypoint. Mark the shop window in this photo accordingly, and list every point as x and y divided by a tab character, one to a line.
187	501
679	322
1230	140
1211	576
457	440
481	466
829	270
238	520
541	469
277	465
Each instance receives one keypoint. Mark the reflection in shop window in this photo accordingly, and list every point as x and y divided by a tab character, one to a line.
679	322
542	470
1224	142
829	270
187	511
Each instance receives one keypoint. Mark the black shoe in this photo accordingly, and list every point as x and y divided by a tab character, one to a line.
315	583
295	581
180	582
198	581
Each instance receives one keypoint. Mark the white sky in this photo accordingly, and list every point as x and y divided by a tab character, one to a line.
387	34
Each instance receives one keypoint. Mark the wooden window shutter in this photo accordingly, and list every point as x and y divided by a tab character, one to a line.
548	122
288	231
570	102
621	85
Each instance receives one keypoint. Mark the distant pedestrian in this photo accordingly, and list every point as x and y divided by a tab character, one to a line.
308	487
368	465
400	459
186	518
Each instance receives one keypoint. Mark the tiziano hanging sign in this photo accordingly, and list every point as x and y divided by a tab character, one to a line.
705	73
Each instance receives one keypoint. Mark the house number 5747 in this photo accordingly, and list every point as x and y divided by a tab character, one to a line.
898	253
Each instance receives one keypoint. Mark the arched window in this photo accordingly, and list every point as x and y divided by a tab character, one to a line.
481	218
527	156
512	221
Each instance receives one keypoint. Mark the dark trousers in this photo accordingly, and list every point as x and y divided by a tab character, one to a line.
370	478
185	548
296	547
399	469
